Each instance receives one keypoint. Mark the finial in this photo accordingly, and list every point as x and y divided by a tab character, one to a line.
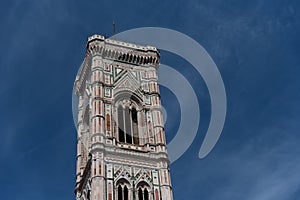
114	29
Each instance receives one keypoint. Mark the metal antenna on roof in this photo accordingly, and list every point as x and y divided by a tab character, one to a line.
114	29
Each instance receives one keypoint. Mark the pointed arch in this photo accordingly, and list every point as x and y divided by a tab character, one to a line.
120	193
127	107
143	191
123	189
125	192
146	194
140	193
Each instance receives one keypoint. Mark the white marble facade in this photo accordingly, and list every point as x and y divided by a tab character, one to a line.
121	150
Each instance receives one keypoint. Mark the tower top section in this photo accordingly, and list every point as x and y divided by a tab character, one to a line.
117	53
120	51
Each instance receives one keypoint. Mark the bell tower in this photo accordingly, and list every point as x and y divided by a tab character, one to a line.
121	146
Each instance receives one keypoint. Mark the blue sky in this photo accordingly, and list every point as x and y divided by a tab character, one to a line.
255	44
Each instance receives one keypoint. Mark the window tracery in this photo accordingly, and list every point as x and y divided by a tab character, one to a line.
127	116
122	190
143	192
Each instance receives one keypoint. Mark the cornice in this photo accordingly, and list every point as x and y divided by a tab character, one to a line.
123	51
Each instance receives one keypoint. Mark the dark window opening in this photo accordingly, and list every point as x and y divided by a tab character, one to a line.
140	194
128	125
135	126
146	194
120	195
122	192
121	124
125	193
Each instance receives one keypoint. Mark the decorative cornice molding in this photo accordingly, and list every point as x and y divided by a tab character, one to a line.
123	51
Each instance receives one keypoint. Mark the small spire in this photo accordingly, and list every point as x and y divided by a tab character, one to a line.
114	29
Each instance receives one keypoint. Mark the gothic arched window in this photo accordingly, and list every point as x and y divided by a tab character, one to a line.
125	192
146	194
143	193
121	124
140	194
135	126
127	123
122	192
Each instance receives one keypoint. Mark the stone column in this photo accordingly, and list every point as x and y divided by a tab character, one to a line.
97	130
